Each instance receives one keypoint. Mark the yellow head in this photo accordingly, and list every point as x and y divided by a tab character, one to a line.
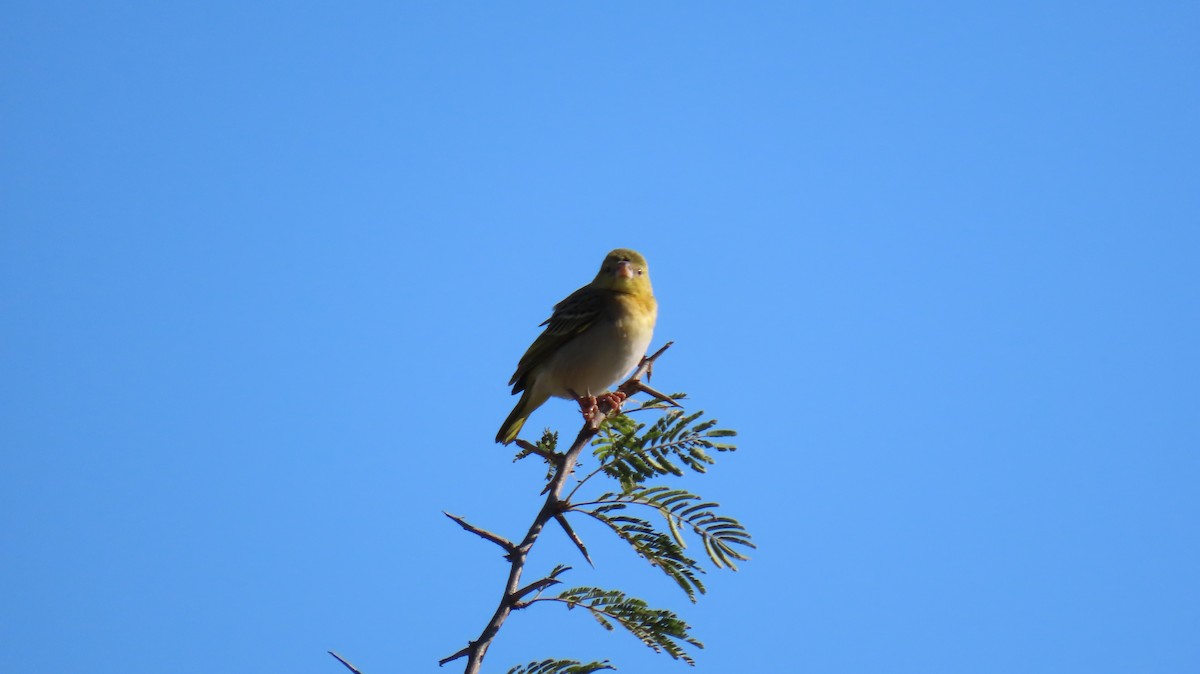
624	270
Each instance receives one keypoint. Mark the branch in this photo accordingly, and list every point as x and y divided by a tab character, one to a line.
565	464
582	482
528	448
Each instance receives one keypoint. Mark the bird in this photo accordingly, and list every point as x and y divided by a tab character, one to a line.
593	338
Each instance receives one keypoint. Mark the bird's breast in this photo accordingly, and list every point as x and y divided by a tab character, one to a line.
598	358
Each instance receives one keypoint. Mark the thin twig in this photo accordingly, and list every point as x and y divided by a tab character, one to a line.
528	448
583	481
565	466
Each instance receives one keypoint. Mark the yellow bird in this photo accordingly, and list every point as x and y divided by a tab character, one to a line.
594	337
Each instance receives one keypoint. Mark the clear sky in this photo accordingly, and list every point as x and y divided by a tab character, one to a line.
265	269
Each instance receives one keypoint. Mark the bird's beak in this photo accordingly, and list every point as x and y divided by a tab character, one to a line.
624	269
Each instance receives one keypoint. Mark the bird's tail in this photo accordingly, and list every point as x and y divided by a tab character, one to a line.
516	419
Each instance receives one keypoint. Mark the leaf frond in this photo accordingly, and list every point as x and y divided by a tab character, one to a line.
633	452
661	630
656	547
561	667
722	536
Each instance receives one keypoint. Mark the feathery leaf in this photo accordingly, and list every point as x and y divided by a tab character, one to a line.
679	507
561	667
632	452
660	629
656	547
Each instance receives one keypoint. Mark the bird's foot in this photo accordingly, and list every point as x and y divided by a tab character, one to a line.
614	400
588	407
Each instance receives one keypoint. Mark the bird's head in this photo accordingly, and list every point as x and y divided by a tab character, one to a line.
624	270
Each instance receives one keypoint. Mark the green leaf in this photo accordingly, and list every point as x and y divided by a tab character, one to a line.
561	667
721	535
632	453
659	629
658	548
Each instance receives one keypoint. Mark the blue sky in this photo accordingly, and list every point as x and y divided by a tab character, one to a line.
265	269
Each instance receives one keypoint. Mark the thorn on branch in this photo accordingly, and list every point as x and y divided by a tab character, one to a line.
452	658
343	661
535	586
644	388
562	520
509	546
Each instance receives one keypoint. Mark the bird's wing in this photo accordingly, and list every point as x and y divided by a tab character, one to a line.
571	317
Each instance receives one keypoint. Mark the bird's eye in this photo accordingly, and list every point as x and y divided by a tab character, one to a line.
639	272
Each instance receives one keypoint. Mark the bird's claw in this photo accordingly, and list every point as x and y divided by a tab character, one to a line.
588	407
614	400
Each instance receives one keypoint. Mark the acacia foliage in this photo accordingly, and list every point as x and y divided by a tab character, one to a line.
654	519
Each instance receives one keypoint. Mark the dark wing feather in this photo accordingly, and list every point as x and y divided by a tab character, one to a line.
571	317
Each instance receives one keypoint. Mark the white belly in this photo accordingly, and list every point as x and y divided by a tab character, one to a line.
594	361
